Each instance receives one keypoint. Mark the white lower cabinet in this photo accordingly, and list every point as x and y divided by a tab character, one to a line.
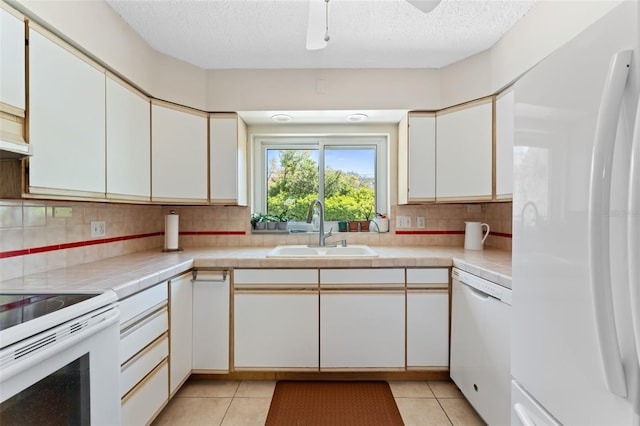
211	297
362	318
181	330
427	317
276	318
276	329
144	351
427	328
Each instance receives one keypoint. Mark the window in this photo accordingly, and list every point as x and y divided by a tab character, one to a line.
348	174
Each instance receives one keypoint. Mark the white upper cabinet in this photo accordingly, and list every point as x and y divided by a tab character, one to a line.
464	149
228	159
66	121
178	155
505	113
128	143
12	62
417	158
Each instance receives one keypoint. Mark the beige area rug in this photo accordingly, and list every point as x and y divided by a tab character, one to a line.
327	403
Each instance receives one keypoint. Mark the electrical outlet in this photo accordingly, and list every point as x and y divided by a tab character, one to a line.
403	222
98	228
407	221
420	222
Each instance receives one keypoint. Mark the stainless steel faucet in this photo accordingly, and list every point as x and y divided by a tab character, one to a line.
322	236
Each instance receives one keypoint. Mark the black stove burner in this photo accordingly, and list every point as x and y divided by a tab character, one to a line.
19	308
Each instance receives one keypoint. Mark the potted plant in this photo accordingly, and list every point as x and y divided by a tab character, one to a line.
258	221
282	220
272	222
364	224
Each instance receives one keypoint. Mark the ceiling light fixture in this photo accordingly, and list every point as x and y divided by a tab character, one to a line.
357	118
281	118
425	6
317	30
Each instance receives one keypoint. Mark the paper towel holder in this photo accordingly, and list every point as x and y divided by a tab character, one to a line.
165	249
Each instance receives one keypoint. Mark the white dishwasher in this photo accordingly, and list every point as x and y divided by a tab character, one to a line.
481	345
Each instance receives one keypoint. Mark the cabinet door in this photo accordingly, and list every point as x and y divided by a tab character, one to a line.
505	104
465	152
228	158
128	143
421	158
12	62
178	155
427	328
211	322
362	329
276	329
66	122
180	330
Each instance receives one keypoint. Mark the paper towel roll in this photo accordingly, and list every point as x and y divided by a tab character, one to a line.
171	232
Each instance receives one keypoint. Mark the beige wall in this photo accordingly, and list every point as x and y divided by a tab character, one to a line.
255	90
548	25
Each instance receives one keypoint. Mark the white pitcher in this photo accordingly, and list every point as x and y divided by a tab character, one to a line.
473	239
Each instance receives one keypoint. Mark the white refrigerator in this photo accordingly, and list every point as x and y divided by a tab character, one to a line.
576	231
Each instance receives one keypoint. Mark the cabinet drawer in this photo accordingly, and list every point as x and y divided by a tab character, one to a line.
139	366
141	334
428	277
275	276
144	402
362	276
141	302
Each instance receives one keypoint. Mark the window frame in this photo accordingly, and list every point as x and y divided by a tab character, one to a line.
262	143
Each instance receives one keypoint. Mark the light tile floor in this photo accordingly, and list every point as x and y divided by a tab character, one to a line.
246	403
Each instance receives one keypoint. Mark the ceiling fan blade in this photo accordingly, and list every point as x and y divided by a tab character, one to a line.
316	28
425	6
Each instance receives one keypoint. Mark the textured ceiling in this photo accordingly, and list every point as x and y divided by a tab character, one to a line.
214	34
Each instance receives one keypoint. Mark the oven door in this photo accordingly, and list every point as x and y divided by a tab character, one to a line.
65	375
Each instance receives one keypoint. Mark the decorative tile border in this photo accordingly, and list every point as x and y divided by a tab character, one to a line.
64	246
435	232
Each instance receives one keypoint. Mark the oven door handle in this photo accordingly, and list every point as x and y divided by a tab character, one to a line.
30	352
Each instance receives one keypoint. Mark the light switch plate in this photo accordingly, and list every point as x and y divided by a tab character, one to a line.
420	222
98	228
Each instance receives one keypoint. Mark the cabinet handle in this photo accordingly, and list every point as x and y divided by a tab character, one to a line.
210	279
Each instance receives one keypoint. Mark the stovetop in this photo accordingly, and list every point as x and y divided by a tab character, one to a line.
30	312
19	308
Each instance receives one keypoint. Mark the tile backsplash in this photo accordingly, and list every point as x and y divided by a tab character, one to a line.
33	240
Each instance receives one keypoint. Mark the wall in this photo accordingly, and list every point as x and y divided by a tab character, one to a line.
32	240
219	226
547	26
255	90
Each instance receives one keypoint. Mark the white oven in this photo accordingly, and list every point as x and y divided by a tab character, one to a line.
59	359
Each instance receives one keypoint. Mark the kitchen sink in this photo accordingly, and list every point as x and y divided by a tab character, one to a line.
306	251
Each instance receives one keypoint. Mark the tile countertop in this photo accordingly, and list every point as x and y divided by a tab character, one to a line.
129	274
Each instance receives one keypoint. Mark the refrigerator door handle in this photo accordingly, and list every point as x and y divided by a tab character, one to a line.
633	227
523	416
598	244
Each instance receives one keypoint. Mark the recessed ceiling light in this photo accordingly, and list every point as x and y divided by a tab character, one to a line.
356	118
281	118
